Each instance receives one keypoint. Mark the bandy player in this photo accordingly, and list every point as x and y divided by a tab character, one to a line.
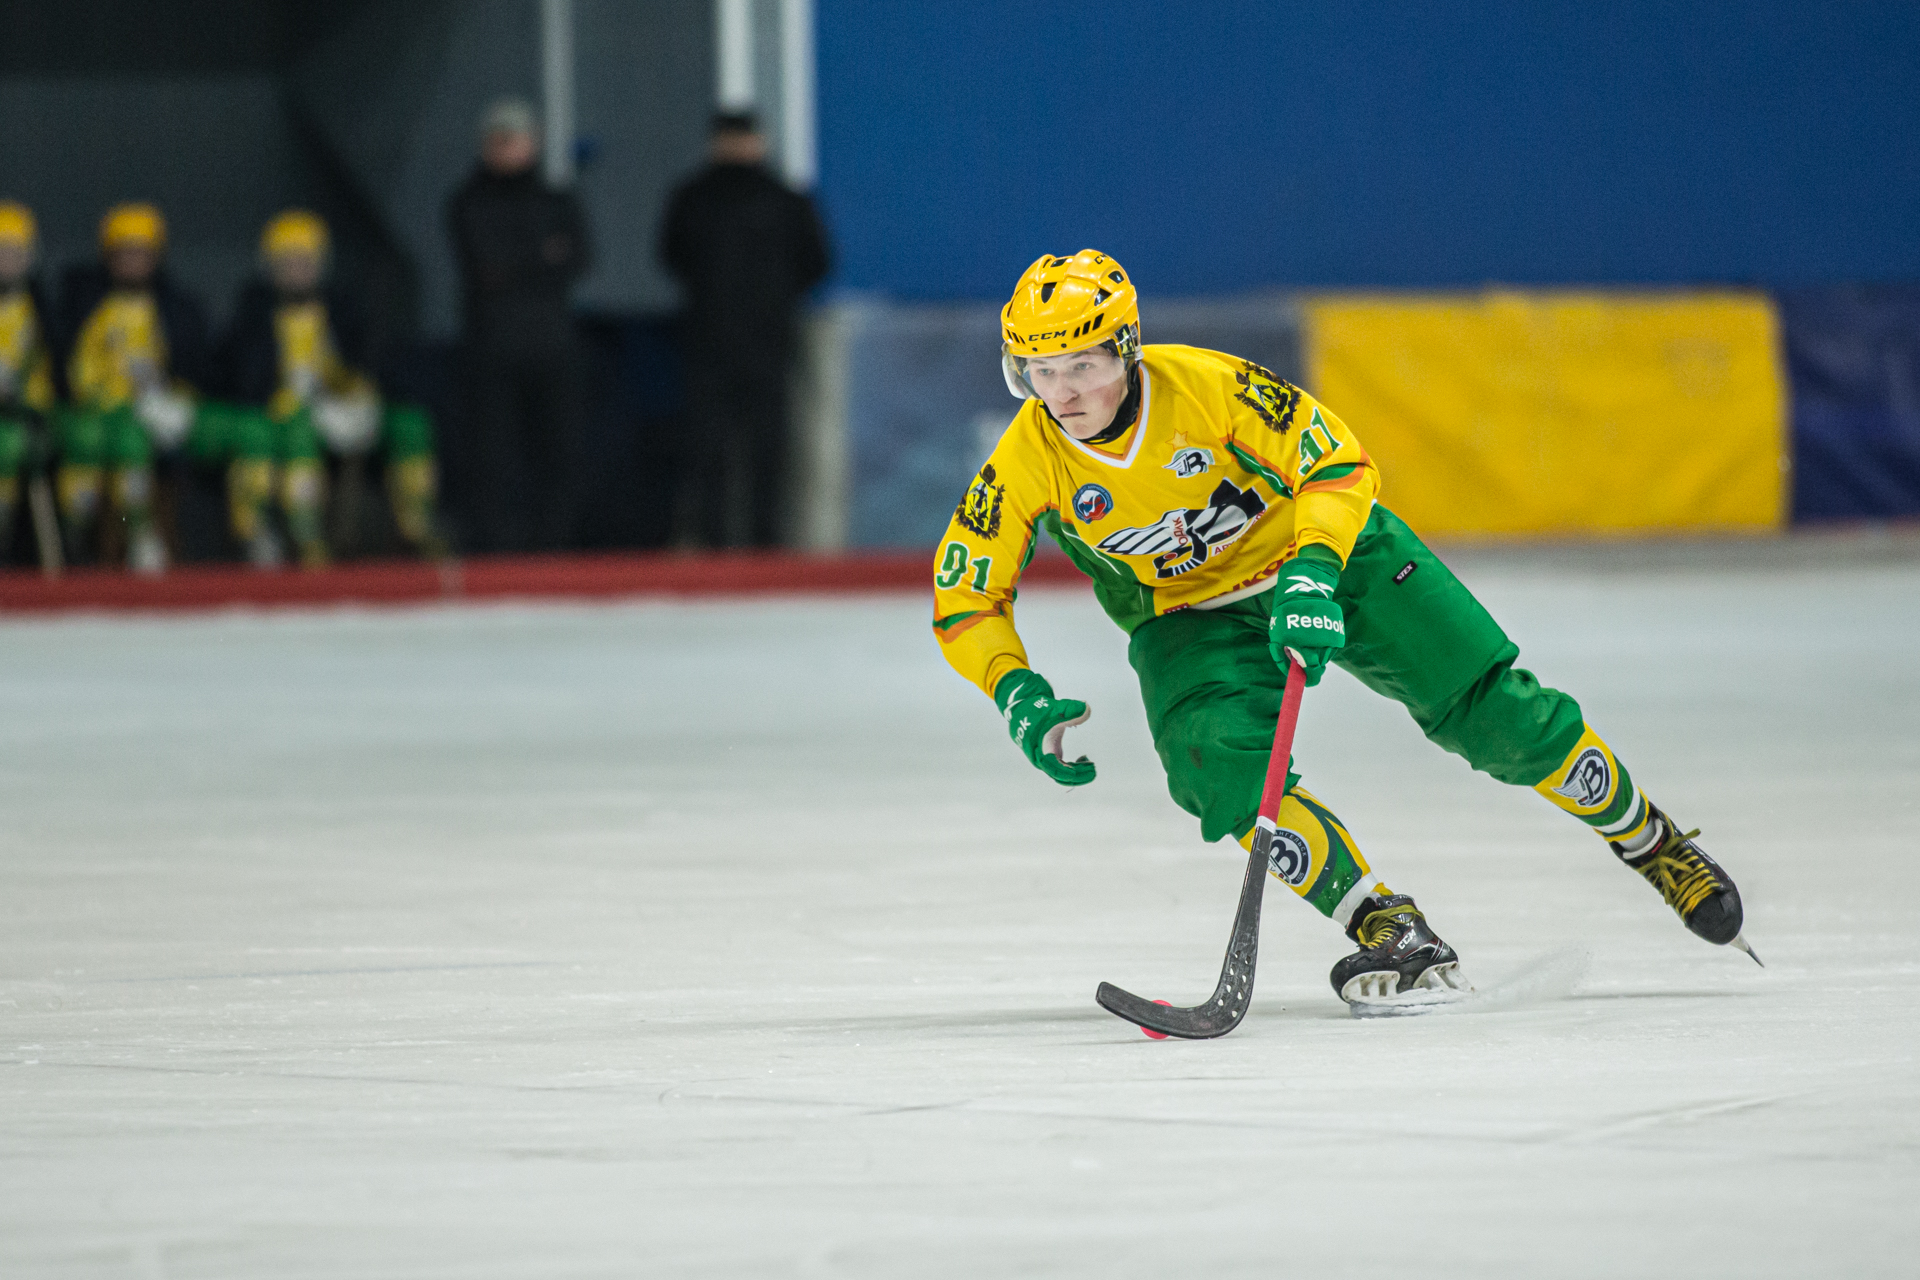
1227	521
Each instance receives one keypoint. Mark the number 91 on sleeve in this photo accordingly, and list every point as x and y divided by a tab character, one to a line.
956	565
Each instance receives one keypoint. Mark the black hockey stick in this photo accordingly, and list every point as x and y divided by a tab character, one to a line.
1234	992
46	525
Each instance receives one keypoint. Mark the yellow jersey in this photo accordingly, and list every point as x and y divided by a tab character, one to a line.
309	364
26	376
121	351
1227	472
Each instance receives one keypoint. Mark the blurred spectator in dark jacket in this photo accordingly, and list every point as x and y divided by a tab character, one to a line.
746	248
521	246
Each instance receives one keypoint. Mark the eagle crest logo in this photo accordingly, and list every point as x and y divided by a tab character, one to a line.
979	511
1273	398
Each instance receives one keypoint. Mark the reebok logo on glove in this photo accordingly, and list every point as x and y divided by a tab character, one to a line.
1307	625
1312	622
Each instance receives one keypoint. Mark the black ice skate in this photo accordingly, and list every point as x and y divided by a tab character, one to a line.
1700	893
1401	960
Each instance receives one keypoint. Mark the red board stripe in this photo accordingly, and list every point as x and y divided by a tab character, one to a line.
558	577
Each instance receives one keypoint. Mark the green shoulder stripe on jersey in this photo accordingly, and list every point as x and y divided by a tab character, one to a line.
1126	600
953	620
1038	522
1260	469
1334	473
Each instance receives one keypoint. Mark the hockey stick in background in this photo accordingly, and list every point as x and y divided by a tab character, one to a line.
1228	1005
46	526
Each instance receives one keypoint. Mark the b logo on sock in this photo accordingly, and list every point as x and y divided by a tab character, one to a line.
1589	782
1289	856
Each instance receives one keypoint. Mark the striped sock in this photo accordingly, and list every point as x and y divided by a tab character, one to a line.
1593	786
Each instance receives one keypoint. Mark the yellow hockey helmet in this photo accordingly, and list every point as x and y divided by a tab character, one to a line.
1067	304
294	231
16	223
133	224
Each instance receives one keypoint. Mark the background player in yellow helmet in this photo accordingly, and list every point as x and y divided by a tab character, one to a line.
26	367
295	347
138	361
1229	521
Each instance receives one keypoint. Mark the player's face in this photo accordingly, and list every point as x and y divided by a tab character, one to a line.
132	265
16	257
294	270
1082	389
738	147
509	151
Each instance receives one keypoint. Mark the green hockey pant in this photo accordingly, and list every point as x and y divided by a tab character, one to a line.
1414	633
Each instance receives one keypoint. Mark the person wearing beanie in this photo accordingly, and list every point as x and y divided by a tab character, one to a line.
521	246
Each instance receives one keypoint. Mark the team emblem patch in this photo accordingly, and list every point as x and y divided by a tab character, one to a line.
1182	540
979	511
1188	463
1290	857
1273	398
1091	502
1590	781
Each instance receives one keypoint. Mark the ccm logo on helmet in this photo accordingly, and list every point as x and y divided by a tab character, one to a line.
1080	332
1316	623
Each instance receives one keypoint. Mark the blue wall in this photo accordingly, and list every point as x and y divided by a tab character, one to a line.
1216	147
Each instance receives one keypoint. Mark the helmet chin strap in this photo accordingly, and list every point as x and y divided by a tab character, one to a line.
1123	416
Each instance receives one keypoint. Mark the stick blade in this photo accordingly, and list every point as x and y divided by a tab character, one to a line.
1223	1010
1203	1022
1228	1004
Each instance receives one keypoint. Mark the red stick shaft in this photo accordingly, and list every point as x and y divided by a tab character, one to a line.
1276	789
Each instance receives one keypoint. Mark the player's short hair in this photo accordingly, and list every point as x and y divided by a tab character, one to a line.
735	122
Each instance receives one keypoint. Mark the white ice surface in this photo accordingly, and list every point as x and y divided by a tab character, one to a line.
735	939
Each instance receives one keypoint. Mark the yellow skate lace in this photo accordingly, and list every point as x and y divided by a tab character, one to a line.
1680	874
1379	925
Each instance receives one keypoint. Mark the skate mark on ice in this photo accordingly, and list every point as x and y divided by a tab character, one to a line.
330	973
981	1020
248	1072
1688	1113
919	1106
845	1108
1663	995
1551	976
1298	1125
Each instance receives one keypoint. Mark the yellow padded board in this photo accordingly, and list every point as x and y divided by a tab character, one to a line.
1547	413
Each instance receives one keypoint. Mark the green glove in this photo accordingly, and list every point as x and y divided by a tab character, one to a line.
1307	622
1038	723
